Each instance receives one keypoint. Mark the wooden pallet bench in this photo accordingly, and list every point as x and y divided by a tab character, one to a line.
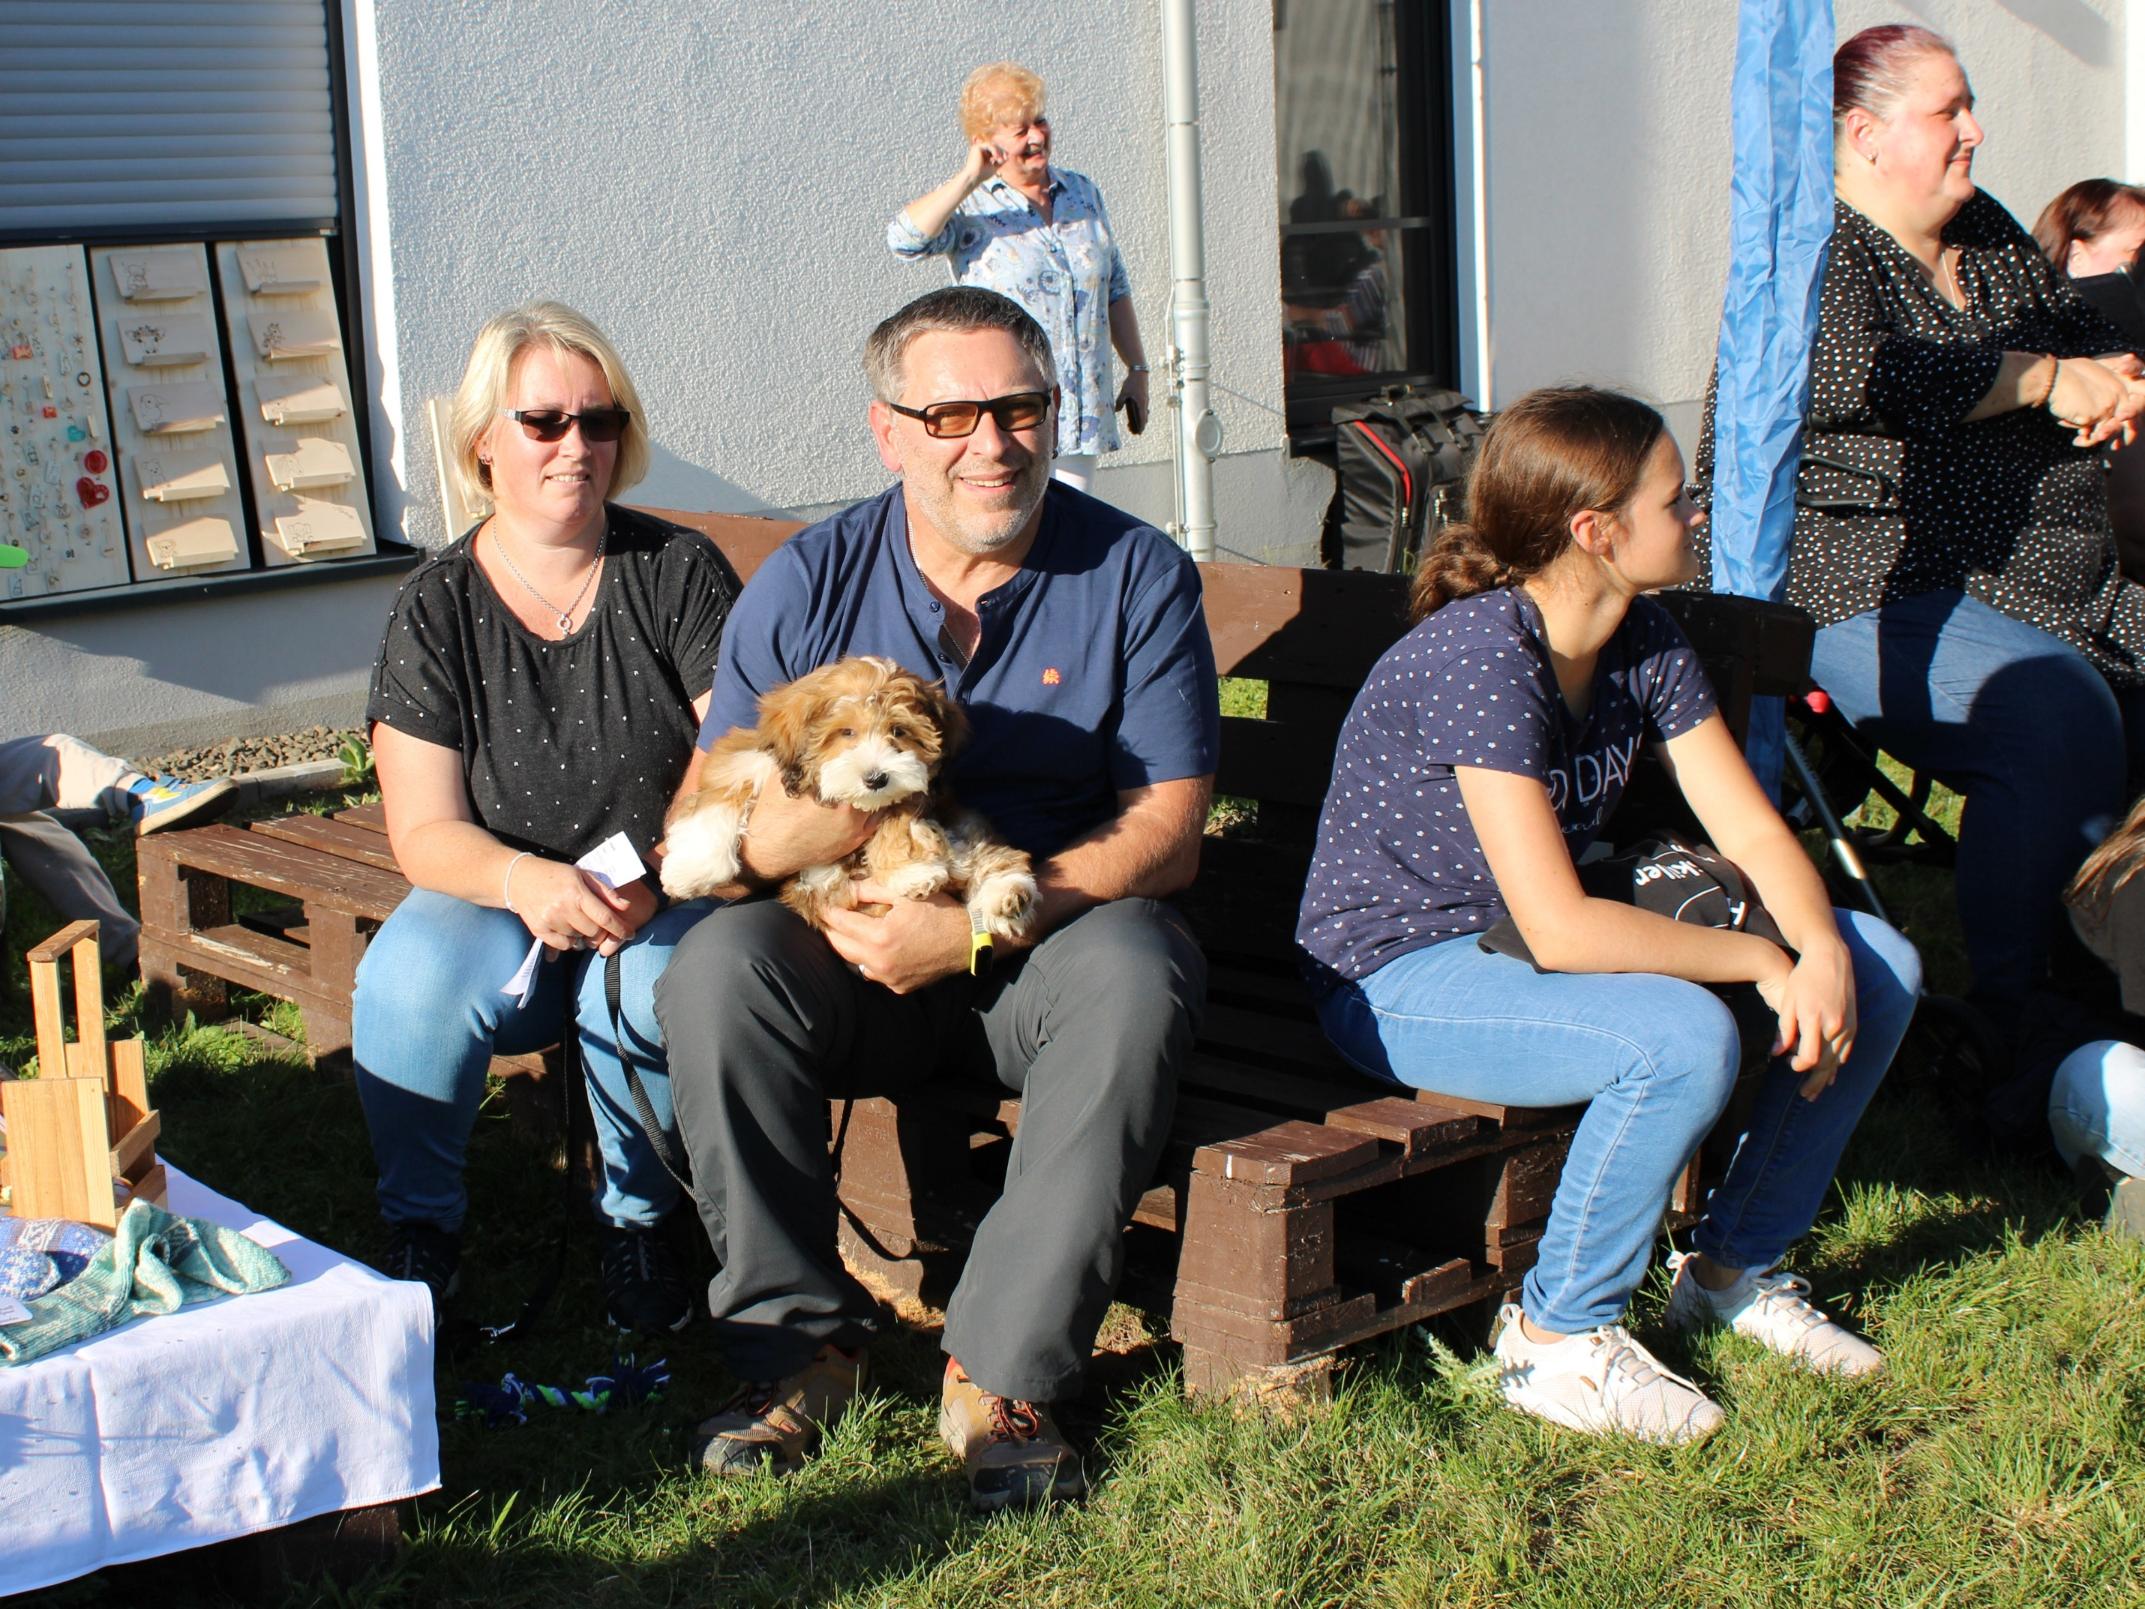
1300	1207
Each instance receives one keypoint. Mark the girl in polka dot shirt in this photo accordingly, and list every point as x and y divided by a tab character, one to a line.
1487	750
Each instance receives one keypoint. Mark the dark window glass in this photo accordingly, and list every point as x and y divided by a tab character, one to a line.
1363	113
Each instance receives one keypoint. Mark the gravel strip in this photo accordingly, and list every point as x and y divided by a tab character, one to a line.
244	754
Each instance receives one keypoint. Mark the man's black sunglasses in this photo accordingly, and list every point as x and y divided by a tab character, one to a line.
1020	410
551	424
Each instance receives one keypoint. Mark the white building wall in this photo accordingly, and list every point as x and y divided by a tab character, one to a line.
1608	164
710	181
713	186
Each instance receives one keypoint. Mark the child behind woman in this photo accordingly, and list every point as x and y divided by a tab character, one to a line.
1484	754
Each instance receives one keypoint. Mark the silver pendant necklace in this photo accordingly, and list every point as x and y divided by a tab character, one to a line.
563	616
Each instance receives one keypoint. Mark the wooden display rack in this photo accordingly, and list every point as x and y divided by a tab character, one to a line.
80	1135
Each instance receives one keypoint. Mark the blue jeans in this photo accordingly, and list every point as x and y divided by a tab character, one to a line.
2096	1107
428	1018
1655	1059
2018	722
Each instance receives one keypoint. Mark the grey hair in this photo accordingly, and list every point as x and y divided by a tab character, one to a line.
960	310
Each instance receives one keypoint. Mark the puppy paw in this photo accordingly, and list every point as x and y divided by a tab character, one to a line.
917	880
1005	903
701	854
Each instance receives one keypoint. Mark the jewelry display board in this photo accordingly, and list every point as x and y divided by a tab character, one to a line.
294	400
170	415
57	476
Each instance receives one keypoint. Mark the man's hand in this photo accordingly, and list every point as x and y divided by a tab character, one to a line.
786	835
913	945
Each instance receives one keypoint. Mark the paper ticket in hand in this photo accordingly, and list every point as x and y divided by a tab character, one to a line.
614	864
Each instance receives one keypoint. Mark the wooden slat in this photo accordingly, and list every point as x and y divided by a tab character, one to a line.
262	862
345	840
745	539
372	817
1273	760
1325	628
59	1161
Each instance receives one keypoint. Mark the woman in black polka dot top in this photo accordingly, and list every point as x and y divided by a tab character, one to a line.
1484	754
1951	534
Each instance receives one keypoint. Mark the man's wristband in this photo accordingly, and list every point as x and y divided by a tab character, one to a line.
980	952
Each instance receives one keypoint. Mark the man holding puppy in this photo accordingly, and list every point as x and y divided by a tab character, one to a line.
1072	635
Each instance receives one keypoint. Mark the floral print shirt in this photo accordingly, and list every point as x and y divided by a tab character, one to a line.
1066	273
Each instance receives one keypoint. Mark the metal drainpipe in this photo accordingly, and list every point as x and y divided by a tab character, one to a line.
1198	431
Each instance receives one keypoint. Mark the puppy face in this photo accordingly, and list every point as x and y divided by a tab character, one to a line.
861	731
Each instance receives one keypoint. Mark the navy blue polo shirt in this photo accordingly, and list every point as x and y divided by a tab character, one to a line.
1093	673
1398	865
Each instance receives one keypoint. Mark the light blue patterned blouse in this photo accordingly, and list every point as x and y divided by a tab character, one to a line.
1066	273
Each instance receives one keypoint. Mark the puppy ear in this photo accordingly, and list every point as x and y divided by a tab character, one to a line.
786	733
952	721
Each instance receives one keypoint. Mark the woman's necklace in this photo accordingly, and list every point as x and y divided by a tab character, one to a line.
564	616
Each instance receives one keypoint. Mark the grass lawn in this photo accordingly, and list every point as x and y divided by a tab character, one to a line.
2000	1461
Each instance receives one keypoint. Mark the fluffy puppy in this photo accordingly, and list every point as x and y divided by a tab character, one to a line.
865	733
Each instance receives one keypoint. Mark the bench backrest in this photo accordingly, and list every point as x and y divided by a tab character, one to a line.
1312	636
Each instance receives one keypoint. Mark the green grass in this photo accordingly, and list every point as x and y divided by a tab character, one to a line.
2000	1462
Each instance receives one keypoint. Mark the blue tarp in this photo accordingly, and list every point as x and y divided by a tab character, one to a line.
1780	228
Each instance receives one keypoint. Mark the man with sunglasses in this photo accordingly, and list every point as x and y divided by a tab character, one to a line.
1073	637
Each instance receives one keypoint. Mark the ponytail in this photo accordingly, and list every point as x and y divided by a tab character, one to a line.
1458	565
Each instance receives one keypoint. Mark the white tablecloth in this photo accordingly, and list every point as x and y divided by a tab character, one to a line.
222	1419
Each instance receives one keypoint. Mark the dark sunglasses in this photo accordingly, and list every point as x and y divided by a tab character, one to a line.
551	424
1021	410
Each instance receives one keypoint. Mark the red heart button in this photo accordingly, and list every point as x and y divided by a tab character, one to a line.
91	493
95	462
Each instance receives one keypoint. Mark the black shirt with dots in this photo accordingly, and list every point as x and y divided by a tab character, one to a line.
1919	499
562	743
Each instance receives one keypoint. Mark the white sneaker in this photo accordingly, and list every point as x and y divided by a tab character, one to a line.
1601	1381
1774	1310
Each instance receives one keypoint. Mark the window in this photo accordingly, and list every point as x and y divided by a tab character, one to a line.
179	330
1363	117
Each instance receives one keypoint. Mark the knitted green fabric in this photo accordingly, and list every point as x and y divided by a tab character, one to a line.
156	1263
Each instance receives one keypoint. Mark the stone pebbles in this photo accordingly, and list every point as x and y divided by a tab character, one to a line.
238	755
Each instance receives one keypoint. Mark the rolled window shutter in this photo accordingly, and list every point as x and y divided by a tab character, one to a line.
139	114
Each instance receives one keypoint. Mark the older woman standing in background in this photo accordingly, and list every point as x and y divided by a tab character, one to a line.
538	691
1010	222
1952	537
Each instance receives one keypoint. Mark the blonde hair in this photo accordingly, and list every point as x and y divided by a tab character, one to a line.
2117	860
500	345
994	93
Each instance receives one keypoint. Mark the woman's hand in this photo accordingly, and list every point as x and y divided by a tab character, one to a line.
1132	398
984	161
570	909
2094	401
1814	998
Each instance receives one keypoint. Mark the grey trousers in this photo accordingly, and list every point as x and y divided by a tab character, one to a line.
57	772
764	1024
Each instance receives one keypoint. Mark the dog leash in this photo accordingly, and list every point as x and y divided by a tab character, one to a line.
665	1153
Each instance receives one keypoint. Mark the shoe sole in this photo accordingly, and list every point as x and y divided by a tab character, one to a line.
621	1325
1065	1483
202	808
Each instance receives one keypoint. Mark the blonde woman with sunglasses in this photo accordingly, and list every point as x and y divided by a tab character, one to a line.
537	694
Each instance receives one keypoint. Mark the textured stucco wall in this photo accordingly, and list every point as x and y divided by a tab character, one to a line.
714	190
710	181
1608	166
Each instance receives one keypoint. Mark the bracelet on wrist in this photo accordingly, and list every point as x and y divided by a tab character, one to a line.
506	882
2055	372
1137	368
